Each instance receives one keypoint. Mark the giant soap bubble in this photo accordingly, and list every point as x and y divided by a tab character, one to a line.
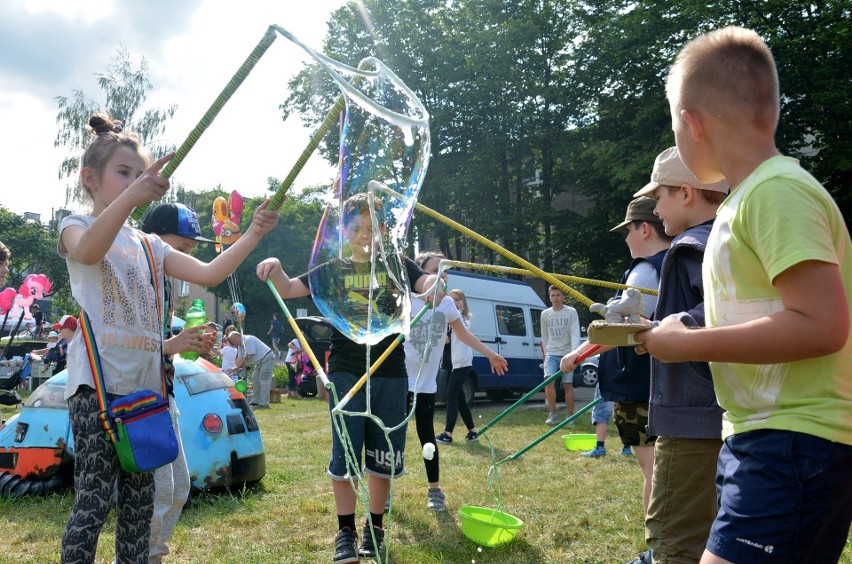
358	278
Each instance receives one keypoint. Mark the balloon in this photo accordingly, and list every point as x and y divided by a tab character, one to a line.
230	232
220	209
235	201
226	218
35	287
238	310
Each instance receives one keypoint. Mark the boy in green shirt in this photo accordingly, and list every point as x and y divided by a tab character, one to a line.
777	277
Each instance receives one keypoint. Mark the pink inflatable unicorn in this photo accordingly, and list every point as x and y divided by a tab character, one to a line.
34	288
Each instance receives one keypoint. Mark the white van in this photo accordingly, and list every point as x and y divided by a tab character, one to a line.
507	318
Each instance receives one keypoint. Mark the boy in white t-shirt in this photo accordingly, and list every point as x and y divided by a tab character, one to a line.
560	334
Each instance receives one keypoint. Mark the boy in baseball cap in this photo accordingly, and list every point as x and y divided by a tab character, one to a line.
173	219
177	225
682	412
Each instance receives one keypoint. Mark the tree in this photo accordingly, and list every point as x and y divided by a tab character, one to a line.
291	242
125	89
625	52
576	91
33	249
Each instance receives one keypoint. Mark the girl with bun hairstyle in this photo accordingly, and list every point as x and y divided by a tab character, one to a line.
112	281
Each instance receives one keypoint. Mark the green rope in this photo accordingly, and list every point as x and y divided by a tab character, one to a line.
330	119
213	111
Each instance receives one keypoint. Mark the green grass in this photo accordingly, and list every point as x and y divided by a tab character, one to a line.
575	509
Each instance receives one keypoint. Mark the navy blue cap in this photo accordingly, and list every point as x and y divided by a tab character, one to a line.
173	219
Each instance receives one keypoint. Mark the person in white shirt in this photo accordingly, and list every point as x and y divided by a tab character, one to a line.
424	348
560	334
259	355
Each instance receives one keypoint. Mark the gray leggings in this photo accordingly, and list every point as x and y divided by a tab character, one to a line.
96	468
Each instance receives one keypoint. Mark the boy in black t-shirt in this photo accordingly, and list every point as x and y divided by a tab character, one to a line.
353	280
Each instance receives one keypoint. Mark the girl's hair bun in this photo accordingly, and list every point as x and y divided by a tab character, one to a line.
102	124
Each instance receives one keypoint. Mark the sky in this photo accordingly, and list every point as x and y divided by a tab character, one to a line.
50	48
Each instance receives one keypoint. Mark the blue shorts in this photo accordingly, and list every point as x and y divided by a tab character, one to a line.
783	497
551	367
602	412
388	403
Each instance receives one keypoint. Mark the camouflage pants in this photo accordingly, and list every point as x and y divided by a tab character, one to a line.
631	418
96	469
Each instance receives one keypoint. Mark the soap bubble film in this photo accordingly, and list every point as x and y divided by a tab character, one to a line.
358	278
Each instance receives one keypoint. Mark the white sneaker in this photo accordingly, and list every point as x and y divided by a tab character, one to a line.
551	419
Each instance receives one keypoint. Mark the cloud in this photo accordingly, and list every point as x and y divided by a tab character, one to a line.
47	53
193	47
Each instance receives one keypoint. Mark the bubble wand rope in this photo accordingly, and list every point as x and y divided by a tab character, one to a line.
496	248
592	350
301	336
568	420
208	117
395	343
566	277
226	94
494	474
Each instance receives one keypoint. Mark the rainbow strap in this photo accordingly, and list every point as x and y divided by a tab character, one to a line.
95	358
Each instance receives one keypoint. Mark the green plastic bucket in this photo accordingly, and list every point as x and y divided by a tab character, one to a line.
241	386
580	441
488	527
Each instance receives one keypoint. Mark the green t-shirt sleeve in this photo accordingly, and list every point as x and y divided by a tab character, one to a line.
788	223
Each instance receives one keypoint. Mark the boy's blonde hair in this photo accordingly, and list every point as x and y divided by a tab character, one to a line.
710	196
729	73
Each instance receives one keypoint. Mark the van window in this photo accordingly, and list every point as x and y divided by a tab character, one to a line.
536	321
510	321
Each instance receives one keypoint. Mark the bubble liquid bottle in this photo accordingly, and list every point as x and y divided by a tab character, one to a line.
195	316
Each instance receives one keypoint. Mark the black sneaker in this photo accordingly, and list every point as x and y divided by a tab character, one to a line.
471	436
443	437
346	546
368	548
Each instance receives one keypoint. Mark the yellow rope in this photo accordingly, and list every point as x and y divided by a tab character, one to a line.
498	249
566	277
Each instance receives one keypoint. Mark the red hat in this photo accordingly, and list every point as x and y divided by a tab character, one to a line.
67	322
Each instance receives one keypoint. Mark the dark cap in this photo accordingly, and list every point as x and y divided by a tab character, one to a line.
173	219
640	209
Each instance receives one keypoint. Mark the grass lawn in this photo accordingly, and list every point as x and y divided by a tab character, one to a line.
575	509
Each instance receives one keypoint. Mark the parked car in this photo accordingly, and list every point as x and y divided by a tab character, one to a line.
221	437
587	373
